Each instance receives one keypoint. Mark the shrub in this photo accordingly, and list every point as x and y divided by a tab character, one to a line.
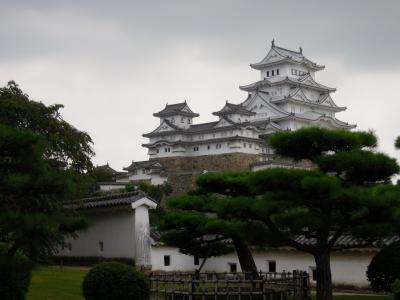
15	274
396	289
113	280
88	261
384	268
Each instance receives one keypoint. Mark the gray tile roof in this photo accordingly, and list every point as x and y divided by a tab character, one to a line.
175	109
287	55
109	200
146	164
349	241
230	108
346	241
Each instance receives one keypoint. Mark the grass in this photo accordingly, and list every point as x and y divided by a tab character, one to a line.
55	283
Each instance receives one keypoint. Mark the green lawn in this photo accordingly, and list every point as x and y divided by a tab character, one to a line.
55	283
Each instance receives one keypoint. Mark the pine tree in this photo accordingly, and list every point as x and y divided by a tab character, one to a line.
348	192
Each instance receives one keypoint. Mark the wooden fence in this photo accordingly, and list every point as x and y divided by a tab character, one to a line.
230	286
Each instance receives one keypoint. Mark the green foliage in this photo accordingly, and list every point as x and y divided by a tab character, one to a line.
397	142
384	268
156	192
360	166
310	143
15	274
43	162
102	174
117	281
396	289
64	144
348	192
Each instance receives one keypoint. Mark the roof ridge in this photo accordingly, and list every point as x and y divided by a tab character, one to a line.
285	49
106	197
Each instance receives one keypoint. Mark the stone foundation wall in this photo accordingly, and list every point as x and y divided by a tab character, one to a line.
221	162
183	171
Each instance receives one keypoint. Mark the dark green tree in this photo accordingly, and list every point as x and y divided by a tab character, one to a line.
64	146
192	222
43	162
190	240
349	192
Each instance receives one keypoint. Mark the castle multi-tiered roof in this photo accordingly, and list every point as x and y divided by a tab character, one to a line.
286	98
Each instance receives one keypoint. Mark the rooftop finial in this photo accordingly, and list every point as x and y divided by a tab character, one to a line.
273	43
301	50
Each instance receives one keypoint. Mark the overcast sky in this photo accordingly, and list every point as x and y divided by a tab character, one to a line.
114	63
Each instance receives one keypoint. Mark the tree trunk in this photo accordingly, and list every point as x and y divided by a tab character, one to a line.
324	277
202	264
246	260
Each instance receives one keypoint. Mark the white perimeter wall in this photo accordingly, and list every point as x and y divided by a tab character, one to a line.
115	230
347	267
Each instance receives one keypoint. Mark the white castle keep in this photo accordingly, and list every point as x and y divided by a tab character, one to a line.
287	97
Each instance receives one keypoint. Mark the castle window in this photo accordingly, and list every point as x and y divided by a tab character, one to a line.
208	147
143	171
157	151
271	266
313	272
182	120
244	145
196	148
232	267
250	145
267	73
167	260
277	72
218	146
167	149
196	261
188	121
101	246
272	73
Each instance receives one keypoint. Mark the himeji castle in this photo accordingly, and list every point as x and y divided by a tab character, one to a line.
287	97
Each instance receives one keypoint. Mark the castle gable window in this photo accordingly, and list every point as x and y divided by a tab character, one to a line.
196	148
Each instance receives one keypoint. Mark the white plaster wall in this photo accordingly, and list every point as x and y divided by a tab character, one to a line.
179	261
114	229
347	267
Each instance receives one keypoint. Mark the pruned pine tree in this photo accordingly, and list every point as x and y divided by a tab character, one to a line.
349	192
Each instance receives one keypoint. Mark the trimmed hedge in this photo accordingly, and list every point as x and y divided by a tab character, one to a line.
384	268
396	289
115	281
15	274
88	261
